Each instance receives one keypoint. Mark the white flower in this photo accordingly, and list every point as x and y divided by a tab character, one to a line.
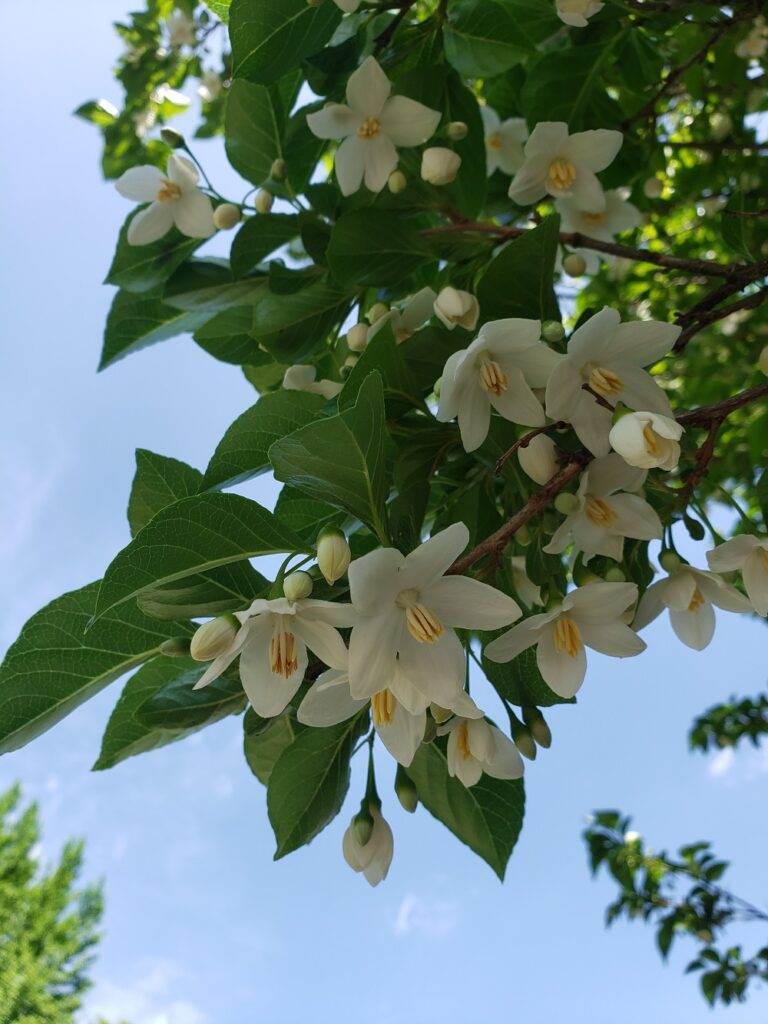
524	586
749	554
501	366
647	440
588	617
348	6
503	141
143	121
755	43
174	198
163	93
302	378
576	12
608	356
214	638
409	318
439	165
454	307
603	516
375	857
210	86
538	459
272	643
405	607
372	124
181	29
689	594
333	554
475	746
618	215
559	164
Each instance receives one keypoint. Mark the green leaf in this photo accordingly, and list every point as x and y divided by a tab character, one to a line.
518	281
568	85
520	682
159	481
269	37
242	452
483	38
263	748
227	588
252	130
290	325
385	356
178	706
308	783
142	268
226	336
54	666
135	321
259	237
192	536
305	516
340	459
398	251
220	8
487	817
206	285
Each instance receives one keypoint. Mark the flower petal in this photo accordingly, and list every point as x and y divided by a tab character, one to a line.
380	161
429	560
407	122
640	391
140	183
636	518
349	164
328	701
468	604
651	605
694	629
516	640
529	184
601	602
474	417
731	555
595	149
374	579
182	172
150	224
451	389
518	404
755	573
467	770
193	214
594	338
334	121
587	190
438	669
612	473
368	89
564	673
402	736
612	637
592	423
373	649
547	139
505	761
268	693
323	640
563	390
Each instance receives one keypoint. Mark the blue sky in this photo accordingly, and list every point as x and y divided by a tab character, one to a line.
201	926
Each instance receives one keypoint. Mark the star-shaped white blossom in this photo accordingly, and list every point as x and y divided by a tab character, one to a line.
748	554
503	141
619	215
174	198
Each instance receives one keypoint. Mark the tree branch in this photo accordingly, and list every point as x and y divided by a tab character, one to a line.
702	315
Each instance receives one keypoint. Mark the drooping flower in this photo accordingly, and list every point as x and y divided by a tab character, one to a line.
272	644
475	746
605	514
412	315
503	141
375	857
647	440
577	12
748	554
210	86
174	198
455	308
619	215
538	458
560	165
498	370
439	165
588	617
689	594
608	356
372	124
303	378
405	609
180	28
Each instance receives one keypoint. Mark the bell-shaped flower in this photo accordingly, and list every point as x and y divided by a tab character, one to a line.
475	746
504	141
590	616
303	378
406	320
603	516
560	165
406	606
375	857
180	28
528	592
455	308
372	124
619	215
439	165
272	644
174	198
577	12
608	356
647	440
690	594
498	370
748	554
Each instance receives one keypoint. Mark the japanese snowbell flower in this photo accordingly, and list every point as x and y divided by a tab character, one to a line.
372	123
619	215
503	141
412	315
174	198
475	746
647	440
375	857
608	356
405	609
498	370
590	616
272	643
749	554
454	307
577	12
603	515
689	594
180	28
303	378
559	165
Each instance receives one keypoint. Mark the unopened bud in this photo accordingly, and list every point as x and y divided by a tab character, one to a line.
397	182
454	307
279	170
263	201
440	714
226	216
173	138
566	503
333	554
297	585
537	458
362	825
214	638
537	726
552	331
523	537
670	561
762	361
615	575
439	165
523	739
457	130
357	337
406	791
574	265
351	360
178	647
377	311
652	188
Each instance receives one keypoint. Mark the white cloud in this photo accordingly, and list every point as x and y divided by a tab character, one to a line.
148	1001
431	917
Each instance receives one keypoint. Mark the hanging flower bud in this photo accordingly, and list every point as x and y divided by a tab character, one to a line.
178	647
362	825
574	265
522	738
357	337
214	638
537	726
457	130
397	182
615	575
552	331
173	138
351	361
279	170
537	459
670	561
566	503
647	440
454	307
373	857
333	554
762	361
263	201
652	188
406	791
377	311
226	216
297	585
439	166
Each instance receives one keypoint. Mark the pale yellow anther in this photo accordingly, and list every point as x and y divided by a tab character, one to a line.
494	142
561	175
594	218
369	129
282	653
600	512
382	707
493	378
567	637
422	624
696	601
168	190
651	441
605	382
462	740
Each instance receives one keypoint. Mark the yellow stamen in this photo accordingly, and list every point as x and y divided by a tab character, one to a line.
561	175
696	601
462	740
600	512
382	707
422	624
594	218
283	658
493	378
605	382
168	190
494	142
369	129
651	440
567	637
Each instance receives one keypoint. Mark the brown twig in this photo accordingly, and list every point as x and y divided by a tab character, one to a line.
525	440
704	456
698	317
719	410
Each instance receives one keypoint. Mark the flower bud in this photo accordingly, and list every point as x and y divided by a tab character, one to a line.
552	331
397	182
263	201
297	585
522	739
357	337
351	360
670	561
647	440
278	170
406	791
372	856
537	458
762	361
226	216
566	503
439	166
214	638
333	554
456	131
362	826
178	647
454	307
440	714
615	575
377	311
537	726
574	265
173	138
652	188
